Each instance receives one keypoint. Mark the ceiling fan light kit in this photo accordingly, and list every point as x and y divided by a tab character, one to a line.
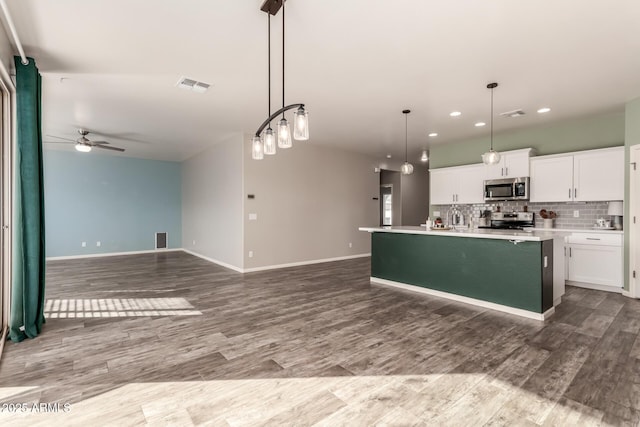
85	145
268	139
83	148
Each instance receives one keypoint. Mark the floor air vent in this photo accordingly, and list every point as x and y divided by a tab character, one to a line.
161	240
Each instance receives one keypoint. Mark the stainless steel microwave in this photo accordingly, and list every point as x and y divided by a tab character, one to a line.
506	189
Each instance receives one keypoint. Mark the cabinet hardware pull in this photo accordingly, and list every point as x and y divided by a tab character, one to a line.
506	171
569	252
592	238
515	242
569	193
575	193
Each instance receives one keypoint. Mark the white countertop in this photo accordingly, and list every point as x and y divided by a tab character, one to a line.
581	230
536	235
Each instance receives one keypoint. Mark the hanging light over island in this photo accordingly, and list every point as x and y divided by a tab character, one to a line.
491	157
265	143
406	168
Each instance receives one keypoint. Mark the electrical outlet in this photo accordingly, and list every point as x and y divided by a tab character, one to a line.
350	244
98	243
250	254
194	243
84	244
576	214
253	217
436	213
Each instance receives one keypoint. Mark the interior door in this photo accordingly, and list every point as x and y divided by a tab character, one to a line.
633	221
386	204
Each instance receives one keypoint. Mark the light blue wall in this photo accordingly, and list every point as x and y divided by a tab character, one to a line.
120	201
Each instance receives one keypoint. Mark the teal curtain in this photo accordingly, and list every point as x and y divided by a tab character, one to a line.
28	269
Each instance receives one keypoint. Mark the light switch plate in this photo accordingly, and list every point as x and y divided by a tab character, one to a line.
253	217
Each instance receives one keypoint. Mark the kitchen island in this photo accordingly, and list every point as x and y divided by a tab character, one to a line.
506	270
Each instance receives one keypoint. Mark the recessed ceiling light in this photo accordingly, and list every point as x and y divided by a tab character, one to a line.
388	156
455	113
544	110
433	134
480	124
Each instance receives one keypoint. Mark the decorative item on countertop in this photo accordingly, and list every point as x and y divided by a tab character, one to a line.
603	224
616	210
547	218
429	224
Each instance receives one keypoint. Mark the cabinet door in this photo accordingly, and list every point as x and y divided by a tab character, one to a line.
551	179
470	184
516	165
495	171
441	187
599	175
601	265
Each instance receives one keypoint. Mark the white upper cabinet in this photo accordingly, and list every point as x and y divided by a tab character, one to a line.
471	184
551	179
459	185
442	185
594	175
513	164
599	175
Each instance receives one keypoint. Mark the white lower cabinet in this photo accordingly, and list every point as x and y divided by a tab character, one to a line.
595	261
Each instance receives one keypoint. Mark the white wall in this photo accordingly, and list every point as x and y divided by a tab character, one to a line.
212	202
310	202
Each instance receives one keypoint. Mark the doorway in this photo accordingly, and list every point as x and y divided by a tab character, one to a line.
632	222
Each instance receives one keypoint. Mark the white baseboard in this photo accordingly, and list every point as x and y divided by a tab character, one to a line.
595	286
299	263
628	294
215	261
467	300
57	258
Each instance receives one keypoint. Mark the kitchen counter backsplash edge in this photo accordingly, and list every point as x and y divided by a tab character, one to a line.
589	212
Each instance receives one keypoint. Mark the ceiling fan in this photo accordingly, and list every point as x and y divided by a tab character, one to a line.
85	145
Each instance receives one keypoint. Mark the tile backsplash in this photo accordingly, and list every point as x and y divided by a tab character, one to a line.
589	212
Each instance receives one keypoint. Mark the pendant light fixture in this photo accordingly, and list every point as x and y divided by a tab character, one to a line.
406	168
491	157
424	157
265	143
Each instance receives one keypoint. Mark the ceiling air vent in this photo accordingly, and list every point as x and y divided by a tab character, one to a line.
193	85
514	113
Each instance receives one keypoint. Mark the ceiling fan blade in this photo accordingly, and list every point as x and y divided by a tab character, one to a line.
59	137
100	142
57	142
108	148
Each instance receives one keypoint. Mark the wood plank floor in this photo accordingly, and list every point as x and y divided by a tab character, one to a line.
313	345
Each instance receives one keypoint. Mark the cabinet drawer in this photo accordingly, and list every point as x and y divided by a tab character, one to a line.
601	239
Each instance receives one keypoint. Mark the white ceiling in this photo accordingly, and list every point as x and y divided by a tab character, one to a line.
111	66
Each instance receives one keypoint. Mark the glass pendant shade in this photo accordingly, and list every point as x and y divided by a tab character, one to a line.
424	156
406	169
284	135
491	157
301	125
269	142
84	148
257	151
